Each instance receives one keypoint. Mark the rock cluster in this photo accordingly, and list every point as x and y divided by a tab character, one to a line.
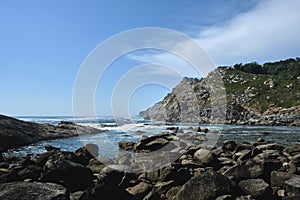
249	170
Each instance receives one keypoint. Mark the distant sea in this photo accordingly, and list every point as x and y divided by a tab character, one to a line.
132	130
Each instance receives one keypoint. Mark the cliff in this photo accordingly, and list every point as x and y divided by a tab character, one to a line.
252	94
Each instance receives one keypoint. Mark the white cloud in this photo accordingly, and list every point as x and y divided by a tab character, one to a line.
268	32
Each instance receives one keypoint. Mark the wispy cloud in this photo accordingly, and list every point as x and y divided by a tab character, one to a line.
269	31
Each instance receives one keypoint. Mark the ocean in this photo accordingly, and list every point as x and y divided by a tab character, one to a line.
116	130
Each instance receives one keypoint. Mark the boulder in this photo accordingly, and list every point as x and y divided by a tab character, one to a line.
106	190
229	145
126	145
97	164
246	170
207	158
72	175
292	150
292	186
35	190
271	146
208	185
140	190
255	187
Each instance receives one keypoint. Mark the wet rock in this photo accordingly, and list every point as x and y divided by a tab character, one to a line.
255	187
35	190
140	190
126	145
73	176
51	148
292	186
208	185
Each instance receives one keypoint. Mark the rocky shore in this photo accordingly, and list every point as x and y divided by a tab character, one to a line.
186	170
16	133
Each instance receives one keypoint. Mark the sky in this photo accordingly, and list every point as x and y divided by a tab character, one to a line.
43	45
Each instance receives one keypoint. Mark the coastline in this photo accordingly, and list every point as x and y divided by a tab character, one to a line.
16	133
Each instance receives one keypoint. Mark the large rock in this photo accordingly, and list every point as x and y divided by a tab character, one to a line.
255	187
207	158
292	150
106	190
292	186
35	190
72	175
208	185
126	145
140	190
271	146
246	170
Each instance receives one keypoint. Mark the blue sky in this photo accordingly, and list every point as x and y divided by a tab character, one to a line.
44	43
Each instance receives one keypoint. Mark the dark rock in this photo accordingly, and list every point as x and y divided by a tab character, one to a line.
126	145
35	190
106	190
73	176
229	145
208	185
292	186
163	187
140	190
1	158
116	174
255	187
246	170
89	150
271	146
4	165
51	148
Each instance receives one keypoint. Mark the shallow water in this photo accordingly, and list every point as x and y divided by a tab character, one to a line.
108	140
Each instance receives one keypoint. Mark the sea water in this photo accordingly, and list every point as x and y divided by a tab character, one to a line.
115	130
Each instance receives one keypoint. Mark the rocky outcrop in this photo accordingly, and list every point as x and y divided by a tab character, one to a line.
230	96
16	133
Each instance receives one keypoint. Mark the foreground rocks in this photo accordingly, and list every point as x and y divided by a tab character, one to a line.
16	133
192	171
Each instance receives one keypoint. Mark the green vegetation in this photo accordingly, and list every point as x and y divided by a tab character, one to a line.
262	86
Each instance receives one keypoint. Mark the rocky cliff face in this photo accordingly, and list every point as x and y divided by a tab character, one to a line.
231	96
